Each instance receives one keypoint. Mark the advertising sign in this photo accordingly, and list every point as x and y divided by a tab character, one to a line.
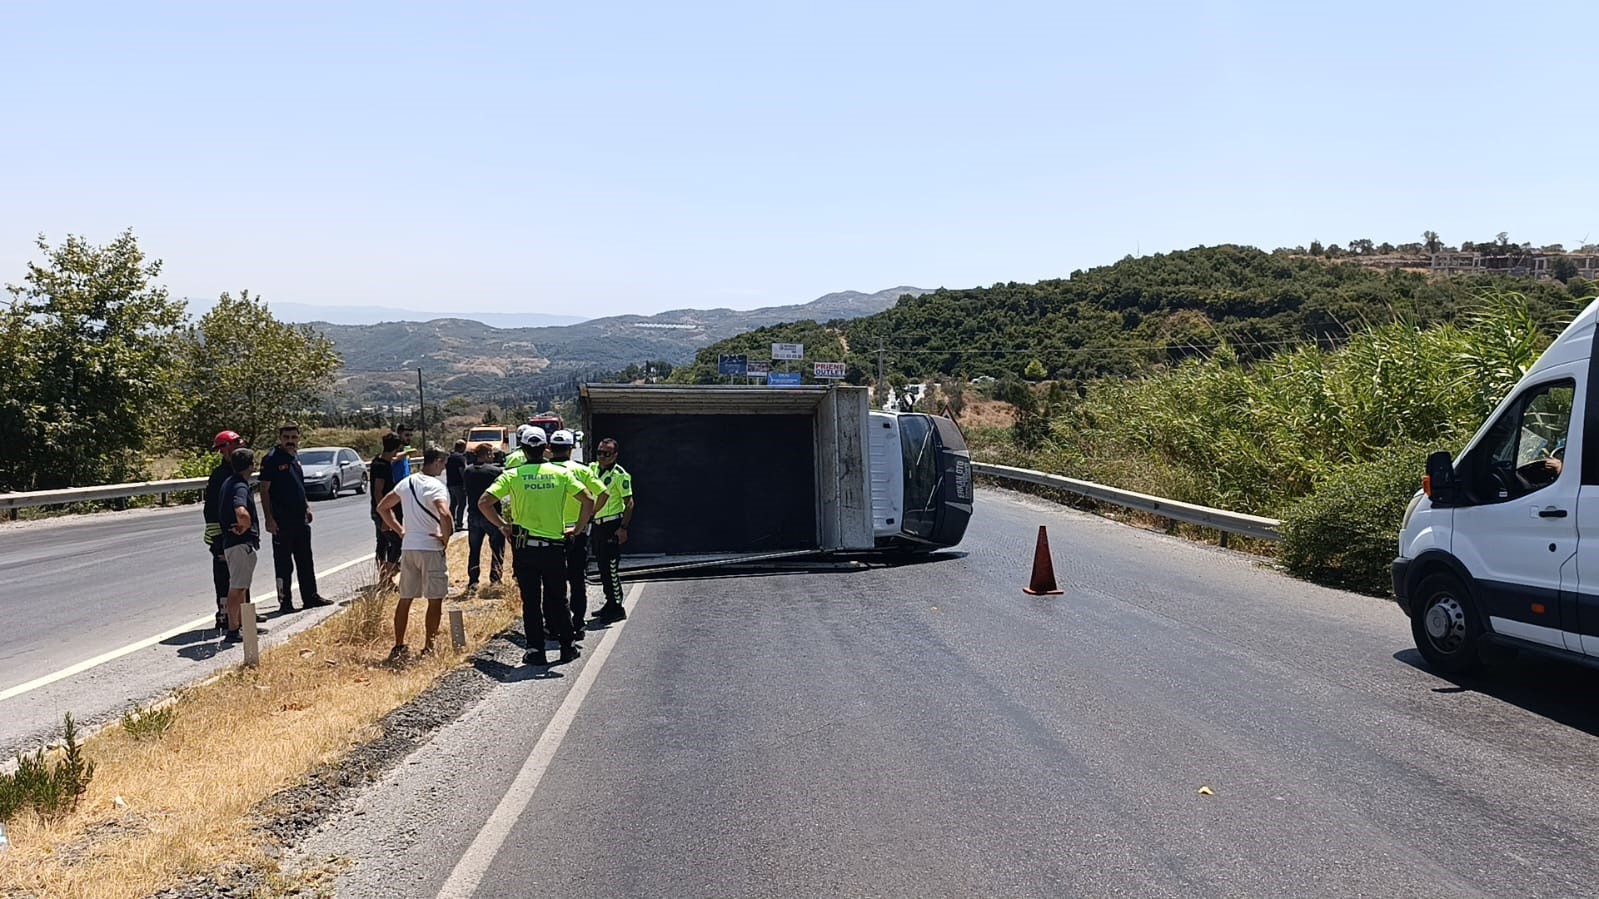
829	369
788	351
729	364
757	369
783	379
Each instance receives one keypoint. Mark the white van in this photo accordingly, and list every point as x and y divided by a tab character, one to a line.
1502	546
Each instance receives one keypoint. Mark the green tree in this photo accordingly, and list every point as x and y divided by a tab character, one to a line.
248	371
1432	242
1035	371
1563	269
90	345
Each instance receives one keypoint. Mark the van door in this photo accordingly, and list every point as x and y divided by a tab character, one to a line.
1517	529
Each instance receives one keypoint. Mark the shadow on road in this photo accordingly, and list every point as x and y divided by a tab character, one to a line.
1560	692
190	637
512	674
831	565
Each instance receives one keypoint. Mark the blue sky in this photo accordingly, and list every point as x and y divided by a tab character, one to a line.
593	159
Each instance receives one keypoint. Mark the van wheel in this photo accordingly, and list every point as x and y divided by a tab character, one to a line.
1446	626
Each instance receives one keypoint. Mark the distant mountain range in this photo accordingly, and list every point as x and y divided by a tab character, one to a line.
460	357
371	315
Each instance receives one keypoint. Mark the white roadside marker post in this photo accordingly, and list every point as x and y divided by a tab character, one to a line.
252	646
457	629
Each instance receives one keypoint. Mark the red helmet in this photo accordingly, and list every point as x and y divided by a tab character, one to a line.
224	438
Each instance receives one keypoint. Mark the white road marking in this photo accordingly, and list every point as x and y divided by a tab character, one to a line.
468	873
101	659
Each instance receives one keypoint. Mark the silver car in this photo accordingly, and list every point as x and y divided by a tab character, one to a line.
331	470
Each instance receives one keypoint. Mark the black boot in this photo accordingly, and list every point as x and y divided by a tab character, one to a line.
569	653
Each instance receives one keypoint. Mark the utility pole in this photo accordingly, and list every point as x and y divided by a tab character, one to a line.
881	396
421	408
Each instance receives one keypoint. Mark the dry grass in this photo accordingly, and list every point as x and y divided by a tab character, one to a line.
988	414
177	806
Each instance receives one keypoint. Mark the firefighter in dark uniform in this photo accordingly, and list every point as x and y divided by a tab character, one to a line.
577	541
225	443
537	492
610	527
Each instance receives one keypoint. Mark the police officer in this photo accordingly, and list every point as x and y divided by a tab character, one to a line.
610	526
538	491
225	443
530	442
577	543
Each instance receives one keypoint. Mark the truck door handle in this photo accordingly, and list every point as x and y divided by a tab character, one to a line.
1551	512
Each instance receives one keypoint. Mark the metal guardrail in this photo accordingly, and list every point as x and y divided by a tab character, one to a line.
1220	519
29	499
107	491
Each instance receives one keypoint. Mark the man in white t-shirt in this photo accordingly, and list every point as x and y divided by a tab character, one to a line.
424	535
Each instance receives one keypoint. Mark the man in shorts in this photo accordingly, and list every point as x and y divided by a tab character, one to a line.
241	536
424	535
381	477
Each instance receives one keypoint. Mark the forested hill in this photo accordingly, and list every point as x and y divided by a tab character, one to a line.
1139	313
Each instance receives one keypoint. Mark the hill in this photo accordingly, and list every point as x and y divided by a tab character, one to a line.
1144	313
468	358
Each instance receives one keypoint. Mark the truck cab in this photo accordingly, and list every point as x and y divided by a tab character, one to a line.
1491	550
921	481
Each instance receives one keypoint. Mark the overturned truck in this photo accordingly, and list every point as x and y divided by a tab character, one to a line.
739	473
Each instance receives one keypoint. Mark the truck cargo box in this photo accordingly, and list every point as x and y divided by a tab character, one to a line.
738	470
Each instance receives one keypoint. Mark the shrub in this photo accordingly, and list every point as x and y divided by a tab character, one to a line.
147	724
48	789
1345	533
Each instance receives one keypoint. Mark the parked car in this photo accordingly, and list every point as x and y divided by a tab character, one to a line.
331	470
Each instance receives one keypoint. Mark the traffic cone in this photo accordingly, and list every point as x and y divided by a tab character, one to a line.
1043	583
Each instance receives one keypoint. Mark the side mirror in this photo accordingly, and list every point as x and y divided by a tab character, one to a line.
1441	484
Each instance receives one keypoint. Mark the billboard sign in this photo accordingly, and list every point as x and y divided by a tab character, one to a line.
788	351
729	364
757	369
830	370
783	379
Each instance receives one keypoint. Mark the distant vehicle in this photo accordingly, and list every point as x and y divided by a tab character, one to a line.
330	470
502	439
549	421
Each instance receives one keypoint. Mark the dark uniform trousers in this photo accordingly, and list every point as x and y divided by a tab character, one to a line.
291	547
541	579
608	555
219	576
577	563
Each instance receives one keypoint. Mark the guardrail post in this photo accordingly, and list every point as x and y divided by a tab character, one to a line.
1171	525
163	499
1224	536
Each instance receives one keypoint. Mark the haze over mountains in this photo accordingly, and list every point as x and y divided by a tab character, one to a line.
470	358
371	315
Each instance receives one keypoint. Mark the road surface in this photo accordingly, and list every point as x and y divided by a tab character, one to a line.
79	587
1182	722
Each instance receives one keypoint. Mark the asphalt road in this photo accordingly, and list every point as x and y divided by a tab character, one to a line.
928	730
76	587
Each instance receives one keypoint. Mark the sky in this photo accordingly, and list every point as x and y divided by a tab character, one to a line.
596	159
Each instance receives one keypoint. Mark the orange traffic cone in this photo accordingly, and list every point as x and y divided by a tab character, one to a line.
1043	569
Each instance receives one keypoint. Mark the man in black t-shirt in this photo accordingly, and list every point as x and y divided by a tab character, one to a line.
383	477
240	536
453	467
475	479
288	518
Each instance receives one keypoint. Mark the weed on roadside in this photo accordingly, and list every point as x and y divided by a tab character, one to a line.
148	724
47	788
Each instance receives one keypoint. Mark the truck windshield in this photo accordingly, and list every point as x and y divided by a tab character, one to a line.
484	435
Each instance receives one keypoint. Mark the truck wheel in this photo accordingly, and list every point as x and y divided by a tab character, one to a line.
1446	626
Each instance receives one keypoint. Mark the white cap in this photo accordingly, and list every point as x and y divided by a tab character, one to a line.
563	437
530	435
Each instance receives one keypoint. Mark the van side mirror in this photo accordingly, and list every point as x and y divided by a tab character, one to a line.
1441	483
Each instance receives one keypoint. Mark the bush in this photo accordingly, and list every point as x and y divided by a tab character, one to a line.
45	788
144	724
1345	533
